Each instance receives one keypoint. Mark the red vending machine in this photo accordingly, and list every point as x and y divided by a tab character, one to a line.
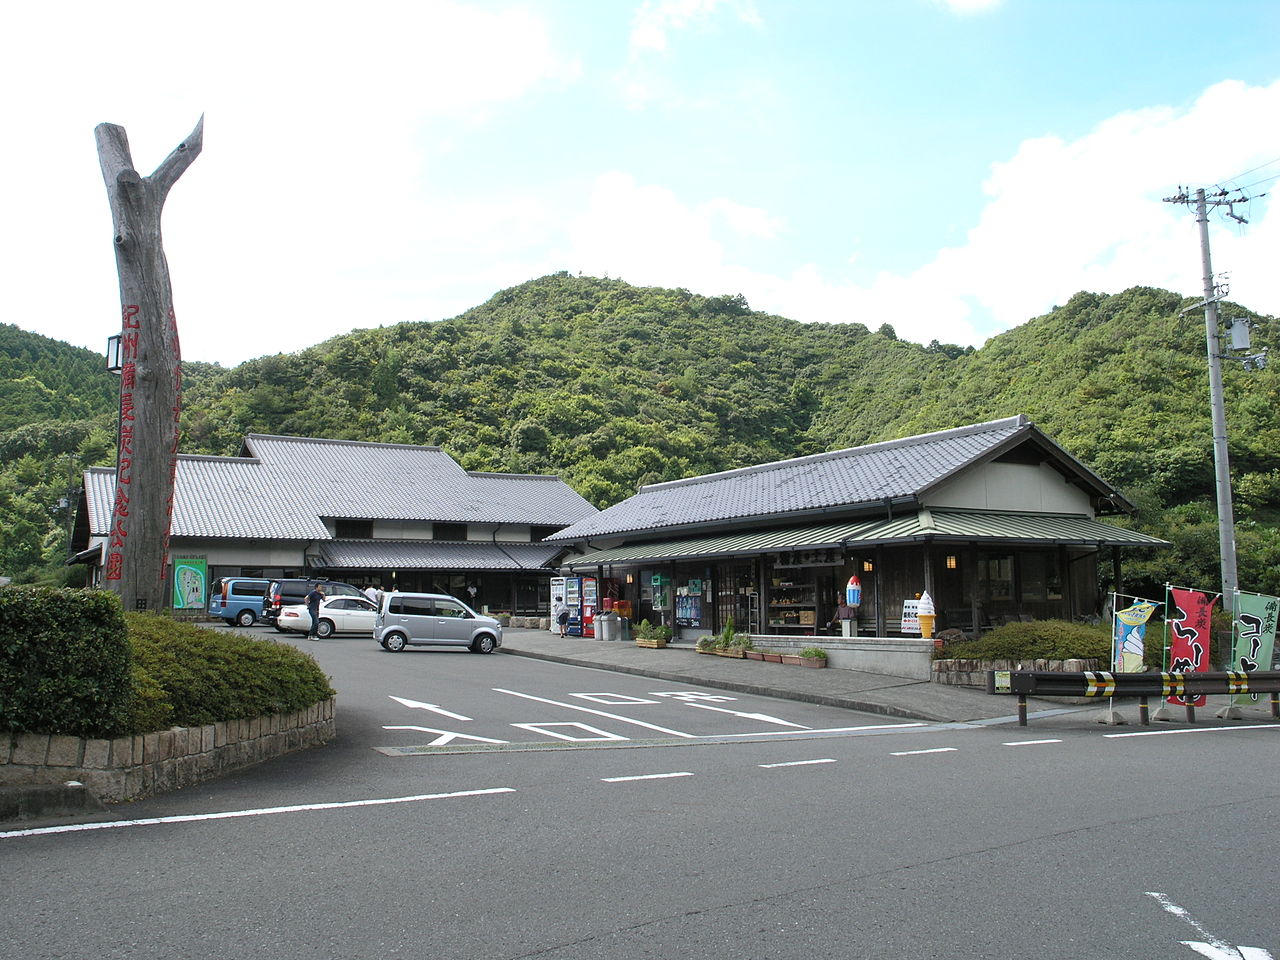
580	596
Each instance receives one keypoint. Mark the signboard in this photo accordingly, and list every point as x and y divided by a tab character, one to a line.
1189	642
190	583
910	616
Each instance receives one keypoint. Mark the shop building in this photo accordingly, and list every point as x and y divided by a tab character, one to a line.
390	515
995	520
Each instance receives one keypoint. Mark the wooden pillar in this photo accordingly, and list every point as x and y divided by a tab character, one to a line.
151	374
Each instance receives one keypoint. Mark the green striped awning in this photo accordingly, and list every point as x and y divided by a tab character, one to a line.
962	526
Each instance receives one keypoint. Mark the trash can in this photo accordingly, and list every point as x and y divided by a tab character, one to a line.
625	627
608	626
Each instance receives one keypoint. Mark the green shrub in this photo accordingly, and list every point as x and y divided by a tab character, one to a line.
813	653
187	675
65	664
1038	640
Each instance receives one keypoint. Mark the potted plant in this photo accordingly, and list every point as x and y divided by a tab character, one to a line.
648	635
705	645
793	658
814	657
771	656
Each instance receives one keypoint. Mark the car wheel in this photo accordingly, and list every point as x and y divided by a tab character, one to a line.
483	644
246	618
279	629
395	642
324	629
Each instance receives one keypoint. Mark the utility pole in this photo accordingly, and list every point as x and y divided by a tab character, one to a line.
1221	463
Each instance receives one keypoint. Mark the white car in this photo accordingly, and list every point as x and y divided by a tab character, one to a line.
337	615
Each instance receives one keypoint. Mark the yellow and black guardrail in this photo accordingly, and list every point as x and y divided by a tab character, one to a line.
1100	684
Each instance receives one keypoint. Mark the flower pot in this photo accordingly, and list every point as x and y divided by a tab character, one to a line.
754	655
773	658
793	658
813	663
651	644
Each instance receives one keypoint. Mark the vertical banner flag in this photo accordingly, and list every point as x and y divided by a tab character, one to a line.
1128	632
1254	629
1189	644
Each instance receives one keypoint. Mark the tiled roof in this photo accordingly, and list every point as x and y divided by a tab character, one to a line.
831	483
285	485
436	555
954	526
844	478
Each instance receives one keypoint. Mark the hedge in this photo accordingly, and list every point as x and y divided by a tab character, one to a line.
71	663
65	662
1037	640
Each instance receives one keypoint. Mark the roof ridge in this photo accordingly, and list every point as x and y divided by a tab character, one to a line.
1020	420
348	443
513	476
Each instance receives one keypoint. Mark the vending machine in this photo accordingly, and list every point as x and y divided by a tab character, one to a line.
557	590
580	595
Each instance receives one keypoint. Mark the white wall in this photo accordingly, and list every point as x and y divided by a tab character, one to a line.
402	529
1012	486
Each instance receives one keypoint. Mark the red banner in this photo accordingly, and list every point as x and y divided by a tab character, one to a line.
1189	640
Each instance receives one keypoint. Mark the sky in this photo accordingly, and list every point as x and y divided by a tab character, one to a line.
950	167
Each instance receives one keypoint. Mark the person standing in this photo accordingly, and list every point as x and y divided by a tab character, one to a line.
560	615
313	601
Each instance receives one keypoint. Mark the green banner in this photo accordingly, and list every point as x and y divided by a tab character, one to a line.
1254	635
190	583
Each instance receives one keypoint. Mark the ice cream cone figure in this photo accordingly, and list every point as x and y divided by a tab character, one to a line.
927	616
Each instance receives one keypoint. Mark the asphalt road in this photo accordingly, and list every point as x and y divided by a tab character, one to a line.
621	817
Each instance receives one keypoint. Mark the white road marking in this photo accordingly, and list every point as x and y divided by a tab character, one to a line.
542	728
261	812
616	699
1028	743
913	753
762	717
1213	948
598	713
689	696
795	763
646	776
792	733
417	705
1165	733
445	736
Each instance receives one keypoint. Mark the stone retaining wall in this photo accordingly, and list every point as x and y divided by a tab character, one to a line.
973	673
128	768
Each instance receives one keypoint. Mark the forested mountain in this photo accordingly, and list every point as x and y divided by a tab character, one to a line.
611	386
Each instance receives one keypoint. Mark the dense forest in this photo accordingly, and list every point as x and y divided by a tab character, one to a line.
612	386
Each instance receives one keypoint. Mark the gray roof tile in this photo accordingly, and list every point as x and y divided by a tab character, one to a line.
285	485
836	482
437	555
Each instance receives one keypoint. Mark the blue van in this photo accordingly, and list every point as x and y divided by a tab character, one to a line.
237	600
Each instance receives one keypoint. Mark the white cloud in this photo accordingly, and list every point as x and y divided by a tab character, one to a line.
1062	216
652	26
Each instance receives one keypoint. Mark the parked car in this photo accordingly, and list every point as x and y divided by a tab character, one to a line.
237	600
337	615
418	619
283	593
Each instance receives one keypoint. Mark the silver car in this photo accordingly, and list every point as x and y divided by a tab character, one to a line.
420	619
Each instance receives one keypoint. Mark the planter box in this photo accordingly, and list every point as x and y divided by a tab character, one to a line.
773	658
754	655
651	644
793	658
736	653
700	650
813	663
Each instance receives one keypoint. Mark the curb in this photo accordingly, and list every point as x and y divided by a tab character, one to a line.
38	800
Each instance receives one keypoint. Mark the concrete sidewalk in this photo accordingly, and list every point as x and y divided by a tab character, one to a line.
848	689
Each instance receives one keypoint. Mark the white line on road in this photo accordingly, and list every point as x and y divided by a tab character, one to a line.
647	776
795	763
1163	733
914	753
792	733
1028	743
445	736
261	812
434	708
598	713
1215	948
762	717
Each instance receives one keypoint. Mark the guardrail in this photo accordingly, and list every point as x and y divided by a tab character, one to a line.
1102	684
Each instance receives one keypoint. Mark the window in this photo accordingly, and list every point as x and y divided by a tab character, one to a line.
446	609
448	531
413	606
347	529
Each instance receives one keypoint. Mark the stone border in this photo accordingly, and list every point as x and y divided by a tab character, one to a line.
973	673
129	768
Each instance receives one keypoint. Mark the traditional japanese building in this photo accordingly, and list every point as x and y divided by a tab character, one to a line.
368	513
995	520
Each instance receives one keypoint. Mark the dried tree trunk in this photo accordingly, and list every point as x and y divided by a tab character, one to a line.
151	379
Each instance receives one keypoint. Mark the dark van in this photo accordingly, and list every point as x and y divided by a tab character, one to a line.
282	593
237	600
